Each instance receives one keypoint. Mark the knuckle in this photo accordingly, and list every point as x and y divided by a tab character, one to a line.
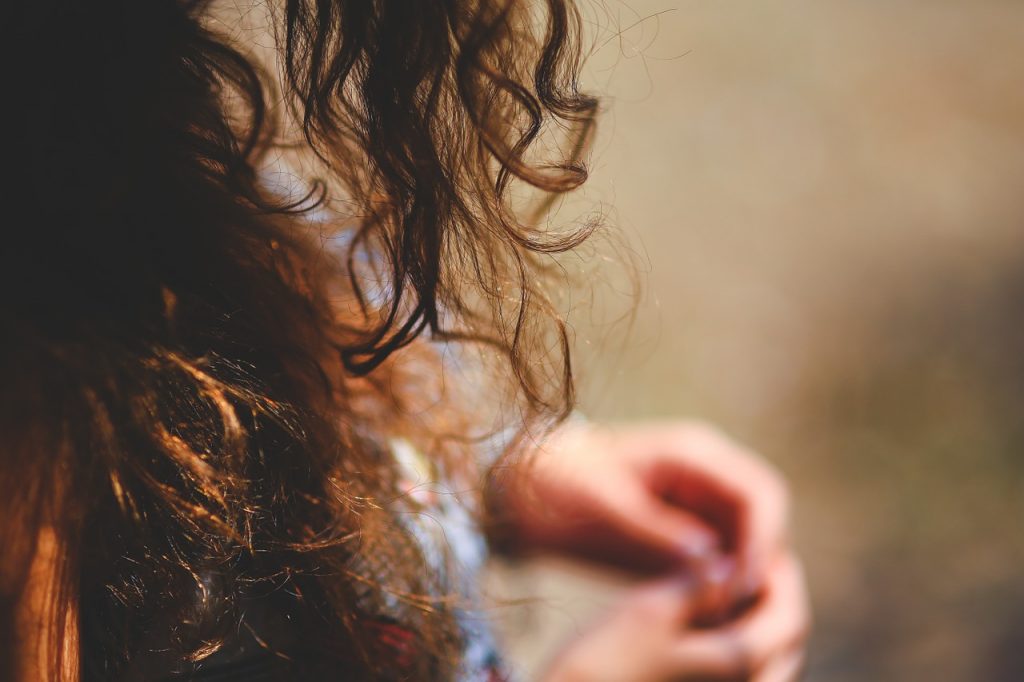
744	661
752	652
649	608
646	608
776	483
698	433
772	484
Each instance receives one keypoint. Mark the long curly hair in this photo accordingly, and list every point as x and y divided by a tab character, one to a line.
202	370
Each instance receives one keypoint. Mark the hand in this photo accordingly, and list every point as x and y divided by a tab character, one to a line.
650	638
653	497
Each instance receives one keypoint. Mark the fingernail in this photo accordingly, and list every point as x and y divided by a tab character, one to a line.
751	586
698	547
720	572
715	578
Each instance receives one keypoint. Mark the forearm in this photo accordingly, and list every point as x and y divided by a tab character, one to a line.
502	519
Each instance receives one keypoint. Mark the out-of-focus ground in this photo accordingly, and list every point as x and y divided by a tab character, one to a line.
827	200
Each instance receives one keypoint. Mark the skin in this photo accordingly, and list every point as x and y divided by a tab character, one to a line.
701	520
649	637
699	517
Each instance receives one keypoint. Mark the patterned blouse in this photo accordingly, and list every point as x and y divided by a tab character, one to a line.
446	522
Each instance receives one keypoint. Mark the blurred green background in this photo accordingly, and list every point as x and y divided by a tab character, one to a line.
826	204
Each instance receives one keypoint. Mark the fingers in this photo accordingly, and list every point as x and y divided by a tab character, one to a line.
712	471
764	525
667	601
667	528
650	638
761	497
630	643
751	645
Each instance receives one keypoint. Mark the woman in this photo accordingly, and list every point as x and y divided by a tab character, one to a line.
207	405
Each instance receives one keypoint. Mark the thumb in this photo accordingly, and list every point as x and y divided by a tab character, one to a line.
666	600
667	528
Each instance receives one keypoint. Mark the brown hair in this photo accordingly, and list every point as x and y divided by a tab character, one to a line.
198	394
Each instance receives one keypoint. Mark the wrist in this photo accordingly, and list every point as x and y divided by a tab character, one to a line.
524	500
500	523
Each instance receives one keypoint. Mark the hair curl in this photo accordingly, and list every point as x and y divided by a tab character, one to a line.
198	394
